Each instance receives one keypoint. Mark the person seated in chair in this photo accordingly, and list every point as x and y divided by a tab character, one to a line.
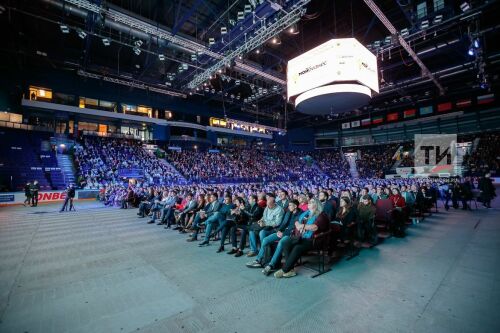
399	213
367	231
182	214
207	215
231	220
158	206
271	218
286	226
200	205
310	223
345	219
251	213
147	203
219	222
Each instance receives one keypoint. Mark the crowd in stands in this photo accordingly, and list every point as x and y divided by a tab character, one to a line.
104	161
331	162
236	164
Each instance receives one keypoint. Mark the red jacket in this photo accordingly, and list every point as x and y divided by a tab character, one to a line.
398	200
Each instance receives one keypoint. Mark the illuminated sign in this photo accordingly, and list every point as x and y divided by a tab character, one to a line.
338	60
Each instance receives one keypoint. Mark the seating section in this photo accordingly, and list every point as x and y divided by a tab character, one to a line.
241	165
26	156
101	161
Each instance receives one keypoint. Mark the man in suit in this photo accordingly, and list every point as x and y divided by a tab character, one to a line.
190	206
220	221
207	215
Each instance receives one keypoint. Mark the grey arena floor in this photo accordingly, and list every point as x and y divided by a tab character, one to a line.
105	270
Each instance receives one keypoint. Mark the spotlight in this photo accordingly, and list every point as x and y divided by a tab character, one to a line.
424	24
276	40
293	30
223	30
471	52
438	19
106	41
475	43
138	43
465	6
211	41
405	32
257	51
161	57
137	50
64	28
240	57
82	34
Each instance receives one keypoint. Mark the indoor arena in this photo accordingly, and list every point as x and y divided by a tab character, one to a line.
249	166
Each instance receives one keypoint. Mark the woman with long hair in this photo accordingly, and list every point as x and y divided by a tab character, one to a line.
310	223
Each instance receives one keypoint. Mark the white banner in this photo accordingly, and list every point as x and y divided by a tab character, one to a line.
355	123
346	125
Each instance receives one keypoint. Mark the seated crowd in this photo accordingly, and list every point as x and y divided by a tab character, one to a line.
285	220
99	162
240	165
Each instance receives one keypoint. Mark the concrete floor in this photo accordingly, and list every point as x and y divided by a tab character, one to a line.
105	270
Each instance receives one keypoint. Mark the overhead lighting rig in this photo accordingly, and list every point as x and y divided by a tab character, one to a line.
261	35
132	84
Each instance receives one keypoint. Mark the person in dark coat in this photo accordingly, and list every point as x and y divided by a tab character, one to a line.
487	190
35	187
27	193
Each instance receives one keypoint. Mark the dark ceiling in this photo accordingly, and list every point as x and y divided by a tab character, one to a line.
31	25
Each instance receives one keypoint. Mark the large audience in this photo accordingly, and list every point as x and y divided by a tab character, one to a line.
105	161
284	203
284	220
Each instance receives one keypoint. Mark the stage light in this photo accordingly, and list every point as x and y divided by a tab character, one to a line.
211	41
293	30
471	52
257	51
476	43
161	57
137	50
223	30
276	40
82	34
138	43
438	19
405	32
106	41
64	28
424	24
465	6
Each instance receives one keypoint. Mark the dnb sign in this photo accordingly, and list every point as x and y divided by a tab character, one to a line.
436	153
51	196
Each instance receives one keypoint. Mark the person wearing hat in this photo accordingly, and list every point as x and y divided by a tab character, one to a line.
283	231
273	214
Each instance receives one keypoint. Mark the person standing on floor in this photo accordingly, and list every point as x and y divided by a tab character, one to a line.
35	188
487	190
27	193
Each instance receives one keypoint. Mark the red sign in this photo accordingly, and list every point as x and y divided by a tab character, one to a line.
444	107
392	116
51	196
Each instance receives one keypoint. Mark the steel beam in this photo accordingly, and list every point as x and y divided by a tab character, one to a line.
425	71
